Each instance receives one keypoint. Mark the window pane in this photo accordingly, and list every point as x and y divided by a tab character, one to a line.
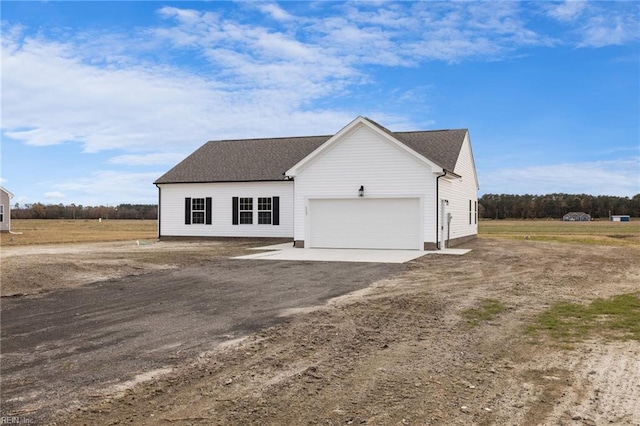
197	204
246	218
246	203
198	217
264	203
264	218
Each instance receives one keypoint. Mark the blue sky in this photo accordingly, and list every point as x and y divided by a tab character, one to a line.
99	99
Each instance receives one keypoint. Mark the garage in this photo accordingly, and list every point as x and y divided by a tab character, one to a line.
370	223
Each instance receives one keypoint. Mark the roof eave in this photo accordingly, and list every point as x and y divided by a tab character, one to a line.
284	179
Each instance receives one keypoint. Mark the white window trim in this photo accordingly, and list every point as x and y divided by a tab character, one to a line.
261	210
202	211
241	210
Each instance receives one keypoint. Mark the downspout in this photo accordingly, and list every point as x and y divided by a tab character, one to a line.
444	173
290	179
294	210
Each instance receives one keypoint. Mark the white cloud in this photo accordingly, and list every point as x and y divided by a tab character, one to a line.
618	177
597	24
608	30
567	10
144	106
54	196
275	11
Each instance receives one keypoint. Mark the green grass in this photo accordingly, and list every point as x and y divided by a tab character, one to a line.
617	317
488	310
595	232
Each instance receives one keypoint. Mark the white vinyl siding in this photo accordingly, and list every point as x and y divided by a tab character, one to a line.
364	158
462	195
172	209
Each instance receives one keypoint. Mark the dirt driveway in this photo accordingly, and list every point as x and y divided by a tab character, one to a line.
68	345
400	352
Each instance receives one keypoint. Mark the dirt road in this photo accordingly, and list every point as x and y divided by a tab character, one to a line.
401	352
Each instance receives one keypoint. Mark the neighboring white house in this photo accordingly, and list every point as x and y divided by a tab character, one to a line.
364	187
576	217
5	210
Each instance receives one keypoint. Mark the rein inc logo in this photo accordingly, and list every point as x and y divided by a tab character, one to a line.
9	420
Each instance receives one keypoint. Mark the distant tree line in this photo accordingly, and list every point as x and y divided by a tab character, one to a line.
505	206
73	211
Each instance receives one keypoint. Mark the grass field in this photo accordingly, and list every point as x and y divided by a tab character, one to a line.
595	232
44	231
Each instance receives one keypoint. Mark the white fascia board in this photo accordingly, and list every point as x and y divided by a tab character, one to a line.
7	192
306	161
467	140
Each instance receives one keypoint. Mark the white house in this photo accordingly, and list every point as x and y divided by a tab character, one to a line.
5	210
364	187
576	217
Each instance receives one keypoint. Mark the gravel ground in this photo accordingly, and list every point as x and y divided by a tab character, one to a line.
400	352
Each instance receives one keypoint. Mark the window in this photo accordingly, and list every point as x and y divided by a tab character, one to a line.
264	211
268	211
470	213
1	212
246	211
197	211
475	211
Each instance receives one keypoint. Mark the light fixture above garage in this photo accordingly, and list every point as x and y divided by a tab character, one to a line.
361	191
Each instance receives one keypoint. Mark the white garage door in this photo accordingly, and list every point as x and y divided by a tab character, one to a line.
373	223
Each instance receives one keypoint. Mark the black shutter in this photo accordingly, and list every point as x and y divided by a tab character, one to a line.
187	211
235	210
276	210
207	211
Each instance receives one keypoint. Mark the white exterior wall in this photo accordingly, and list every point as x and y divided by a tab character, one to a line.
5	200
172	209
459	192
365	158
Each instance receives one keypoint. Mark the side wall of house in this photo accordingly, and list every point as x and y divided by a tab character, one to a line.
172	209
462	195
365	158
5	201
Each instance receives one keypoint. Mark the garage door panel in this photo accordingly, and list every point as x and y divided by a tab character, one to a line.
377	223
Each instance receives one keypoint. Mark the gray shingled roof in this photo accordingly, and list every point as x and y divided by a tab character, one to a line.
251	160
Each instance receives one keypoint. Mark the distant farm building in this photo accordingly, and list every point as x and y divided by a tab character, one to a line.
620	218
5	210
576	217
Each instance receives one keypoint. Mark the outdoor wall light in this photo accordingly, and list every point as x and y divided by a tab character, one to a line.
361	191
